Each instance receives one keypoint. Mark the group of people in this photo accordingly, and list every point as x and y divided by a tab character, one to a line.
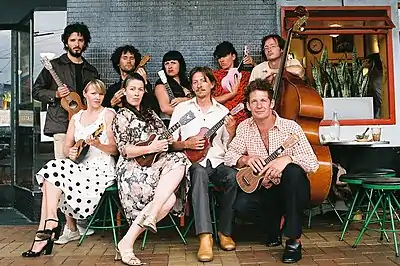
130	111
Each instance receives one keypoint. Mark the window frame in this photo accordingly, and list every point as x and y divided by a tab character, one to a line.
364	30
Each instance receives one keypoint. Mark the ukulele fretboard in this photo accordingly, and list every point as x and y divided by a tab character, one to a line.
56	78
274	155
214	129
168	133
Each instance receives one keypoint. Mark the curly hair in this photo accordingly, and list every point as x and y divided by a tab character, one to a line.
80	28
281	43
225	48
116	56
146	112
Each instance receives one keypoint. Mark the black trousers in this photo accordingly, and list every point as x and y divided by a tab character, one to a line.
265	207
223	177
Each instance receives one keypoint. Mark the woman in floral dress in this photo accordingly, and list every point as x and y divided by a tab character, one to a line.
147	193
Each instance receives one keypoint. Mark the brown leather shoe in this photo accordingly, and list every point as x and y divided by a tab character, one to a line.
226	242
205	252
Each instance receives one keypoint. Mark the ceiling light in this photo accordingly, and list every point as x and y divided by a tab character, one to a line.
335	25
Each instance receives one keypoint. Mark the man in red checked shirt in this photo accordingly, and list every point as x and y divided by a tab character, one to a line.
285	190
230	92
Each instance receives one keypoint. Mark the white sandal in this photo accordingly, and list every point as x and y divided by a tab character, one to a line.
127	257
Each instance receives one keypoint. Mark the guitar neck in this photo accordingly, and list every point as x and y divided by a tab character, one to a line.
56	78
169	132
274	155
171	95
214	129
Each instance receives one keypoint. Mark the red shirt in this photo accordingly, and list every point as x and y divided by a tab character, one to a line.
239	98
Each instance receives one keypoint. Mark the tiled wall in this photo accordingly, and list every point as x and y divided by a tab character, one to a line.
192	27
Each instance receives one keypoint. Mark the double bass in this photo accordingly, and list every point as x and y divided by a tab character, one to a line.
297	101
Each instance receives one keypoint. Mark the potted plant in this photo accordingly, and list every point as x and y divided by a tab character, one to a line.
343	86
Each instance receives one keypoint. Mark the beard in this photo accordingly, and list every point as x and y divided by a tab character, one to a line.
75	54
127	71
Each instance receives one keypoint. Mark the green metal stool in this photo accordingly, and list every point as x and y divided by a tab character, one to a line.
165	227
357	180
385	187
109	197
213	208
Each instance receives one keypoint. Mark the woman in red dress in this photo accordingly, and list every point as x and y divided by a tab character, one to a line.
230	91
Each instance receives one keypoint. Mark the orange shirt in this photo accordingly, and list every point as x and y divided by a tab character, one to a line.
239	98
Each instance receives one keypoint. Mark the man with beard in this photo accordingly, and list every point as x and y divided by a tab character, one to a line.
271	51
74	71
124	59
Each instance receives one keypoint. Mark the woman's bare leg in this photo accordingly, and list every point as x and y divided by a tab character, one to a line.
165	188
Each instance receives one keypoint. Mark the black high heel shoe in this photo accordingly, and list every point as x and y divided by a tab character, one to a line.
48	233
46	250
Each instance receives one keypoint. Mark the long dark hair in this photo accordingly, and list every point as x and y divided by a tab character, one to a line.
145	113
175	55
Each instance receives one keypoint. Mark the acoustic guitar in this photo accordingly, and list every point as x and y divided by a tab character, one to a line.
83	147
248	180
72	103
146	160
208	135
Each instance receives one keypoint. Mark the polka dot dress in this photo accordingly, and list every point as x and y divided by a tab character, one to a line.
82	184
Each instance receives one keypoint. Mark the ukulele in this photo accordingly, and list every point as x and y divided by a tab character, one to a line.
142	63
164	80
248	180
228	80
208	135
83	147
72	103
146	160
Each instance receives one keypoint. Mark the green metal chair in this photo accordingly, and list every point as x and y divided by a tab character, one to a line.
108	201
213	209
165	227
386	188
361	193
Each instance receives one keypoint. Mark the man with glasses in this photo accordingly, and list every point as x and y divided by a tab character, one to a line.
271	51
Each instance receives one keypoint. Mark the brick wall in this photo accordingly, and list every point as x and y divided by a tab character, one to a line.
192	27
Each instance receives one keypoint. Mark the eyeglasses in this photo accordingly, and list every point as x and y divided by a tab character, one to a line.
270	47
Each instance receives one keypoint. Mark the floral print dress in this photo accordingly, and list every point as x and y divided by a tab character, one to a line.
136	183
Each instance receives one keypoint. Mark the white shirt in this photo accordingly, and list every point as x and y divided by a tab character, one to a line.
263	71
214	114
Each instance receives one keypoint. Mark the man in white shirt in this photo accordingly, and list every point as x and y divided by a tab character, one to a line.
271	50
208	112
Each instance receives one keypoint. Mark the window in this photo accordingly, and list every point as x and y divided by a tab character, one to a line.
348	56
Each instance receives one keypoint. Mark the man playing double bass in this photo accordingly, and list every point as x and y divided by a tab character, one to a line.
285	189
271	50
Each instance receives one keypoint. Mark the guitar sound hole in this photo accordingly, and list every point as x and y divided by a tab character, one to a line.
72	104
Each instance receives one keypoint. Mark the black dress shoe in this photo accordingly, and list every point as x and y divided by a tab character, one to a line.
292	251
273	241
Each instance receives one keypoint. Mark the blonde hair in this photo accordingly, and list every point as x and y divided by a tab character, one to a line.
97	84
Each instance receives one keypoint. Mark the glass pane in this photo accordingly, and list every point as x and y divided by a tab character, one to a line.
25	129
5	104
46	40
353	84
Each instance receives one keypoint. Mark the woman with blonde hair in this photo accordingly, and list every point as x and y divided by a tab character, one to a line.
76	188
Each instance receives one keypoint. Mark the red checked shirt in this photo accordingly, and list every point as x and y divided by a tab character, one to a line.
247	141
